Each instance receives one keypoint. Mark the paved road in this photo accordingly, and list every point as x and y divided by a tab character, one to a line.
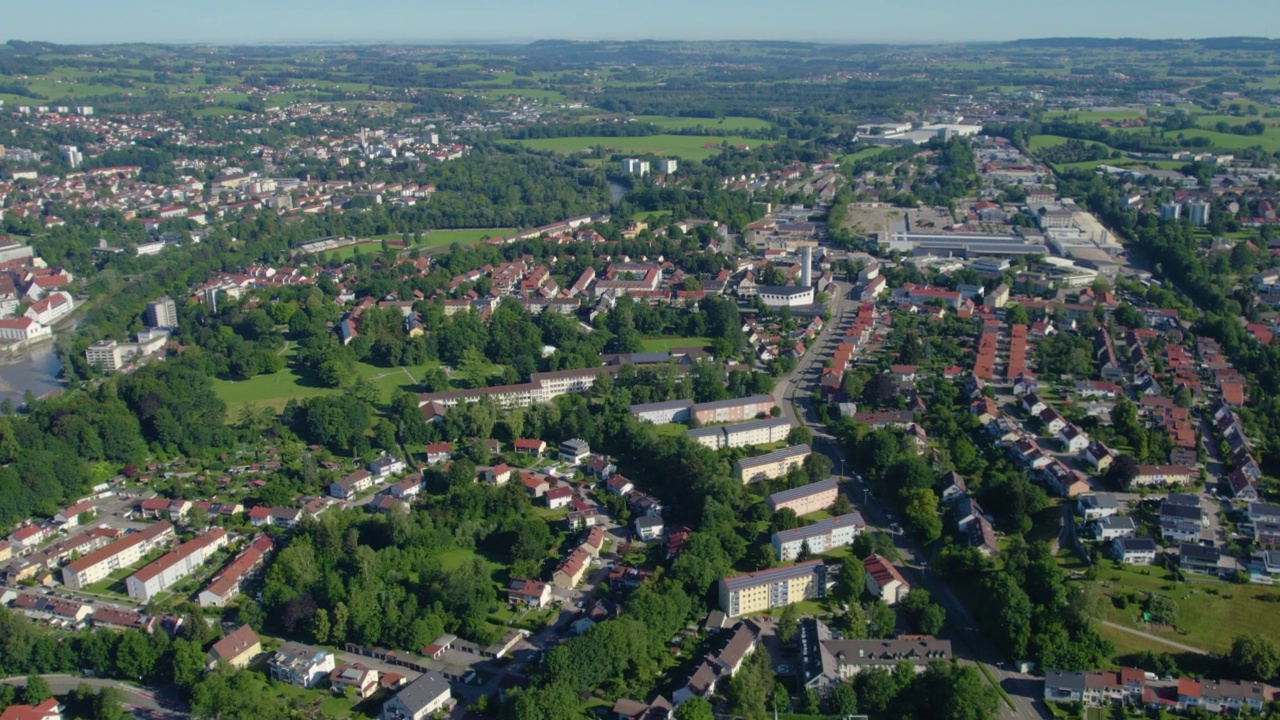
1156	638
971	645
146	702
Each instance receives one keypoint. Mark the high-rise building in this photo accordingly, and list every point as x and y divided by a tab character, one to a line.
72	155
1199	213
668	166
633	166
806	266
1170	211
162	313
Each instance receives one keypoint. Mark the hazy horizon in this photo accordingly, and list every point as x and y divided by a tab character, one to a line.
80	22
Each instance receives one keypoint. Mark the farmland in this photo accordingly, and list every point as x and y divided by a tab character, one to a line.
685	147
724	124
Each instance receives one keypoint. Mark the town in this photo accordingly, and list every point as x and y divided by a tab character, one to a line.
399	404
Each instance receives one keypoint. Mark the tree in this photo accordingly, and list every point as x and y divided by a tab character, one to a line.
881	620
800	435
35	691
879	390
788	623
1015	314
843	700
1255	656
920	510
926	615
1122	472
851	581
188	663
695	708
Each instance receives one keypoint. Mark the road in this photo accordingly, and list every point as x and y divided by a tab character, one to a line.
144	702
1155	638
970	644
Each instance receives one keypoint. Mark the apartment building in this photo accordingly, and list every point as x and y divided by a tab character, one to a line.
759	432
226	584
805	499
820	537
122	553
778	587
771	465
172	567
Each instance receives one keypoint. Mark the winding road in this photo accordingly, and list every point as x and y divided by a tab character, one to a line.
143	702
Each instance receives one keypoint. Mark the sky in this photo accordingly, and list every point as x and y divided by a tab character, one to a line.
434	21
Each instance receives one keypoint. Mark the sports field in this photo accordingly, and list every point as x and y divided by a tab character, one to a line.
664	344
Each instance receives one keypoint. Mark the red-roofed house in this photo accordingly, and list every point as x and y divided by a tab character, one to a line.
47	710
570	570
884	581
527	446
528	592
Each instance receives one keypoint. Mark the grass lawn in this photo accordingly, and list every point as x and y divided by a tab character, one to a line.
276	389
663	344
438	238
1040	142
456	558
1269	141
1210	613
672	429
861	154
685	147
651	216
718	125
1096	115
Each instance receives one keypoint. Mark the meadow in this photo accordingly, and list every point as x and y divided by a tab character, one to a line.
724	124
685	147
276	389
665	344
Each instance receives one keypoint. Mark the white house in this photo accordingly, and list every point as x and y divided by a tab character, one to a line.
649	527
1134	550
420	699
884	581
1113	527
1073	439
298	664
52	308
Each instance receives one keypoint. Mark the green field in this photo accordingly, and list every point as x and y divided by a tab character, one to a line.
1097	115
276	389
718	125
1040	142
685	147
1210	613
861	154
438	238
1269	141
662	344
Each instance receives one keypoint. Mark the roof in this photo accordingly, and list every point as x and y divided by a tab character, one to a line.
822	527
1192	551
422	692
184	550
784	496
235	644
786	572
115	548
881	571
919	649
775	456
47	709
1141	544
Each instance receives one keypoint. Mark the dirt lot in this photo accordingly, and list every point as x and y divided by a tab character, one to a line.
879	218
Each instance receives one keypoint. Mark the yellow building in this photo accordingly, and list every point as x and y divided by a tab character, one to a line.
771	465
767	589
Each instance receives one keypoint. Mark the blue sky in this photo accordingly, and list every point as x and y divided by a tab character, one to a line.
430	21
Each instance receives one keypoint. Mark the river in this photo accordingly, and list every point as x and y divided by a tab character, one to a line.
35	369
616	191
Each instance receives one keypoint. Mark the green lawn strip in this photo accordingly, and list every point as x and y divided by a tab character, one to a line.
687	147
665	344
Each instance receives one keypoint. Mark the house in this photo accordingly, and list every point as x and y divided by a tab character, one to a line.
438	452
1053	421
701	684
574	450
362	680
1243	487
385	467
351	485
884	581
1094	506
1064	686
619	485
594	542
649	528
1113	527
771	465
1197	558
408	488
237	648
498	474
1163	475
1263	513
558	497
600	467
1181	518
300	665
535	484
528	592
1032	403
48	710
1098	456
847	658
420	699
70	516
527	446
1134	550
1073	439
571	570
805	499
